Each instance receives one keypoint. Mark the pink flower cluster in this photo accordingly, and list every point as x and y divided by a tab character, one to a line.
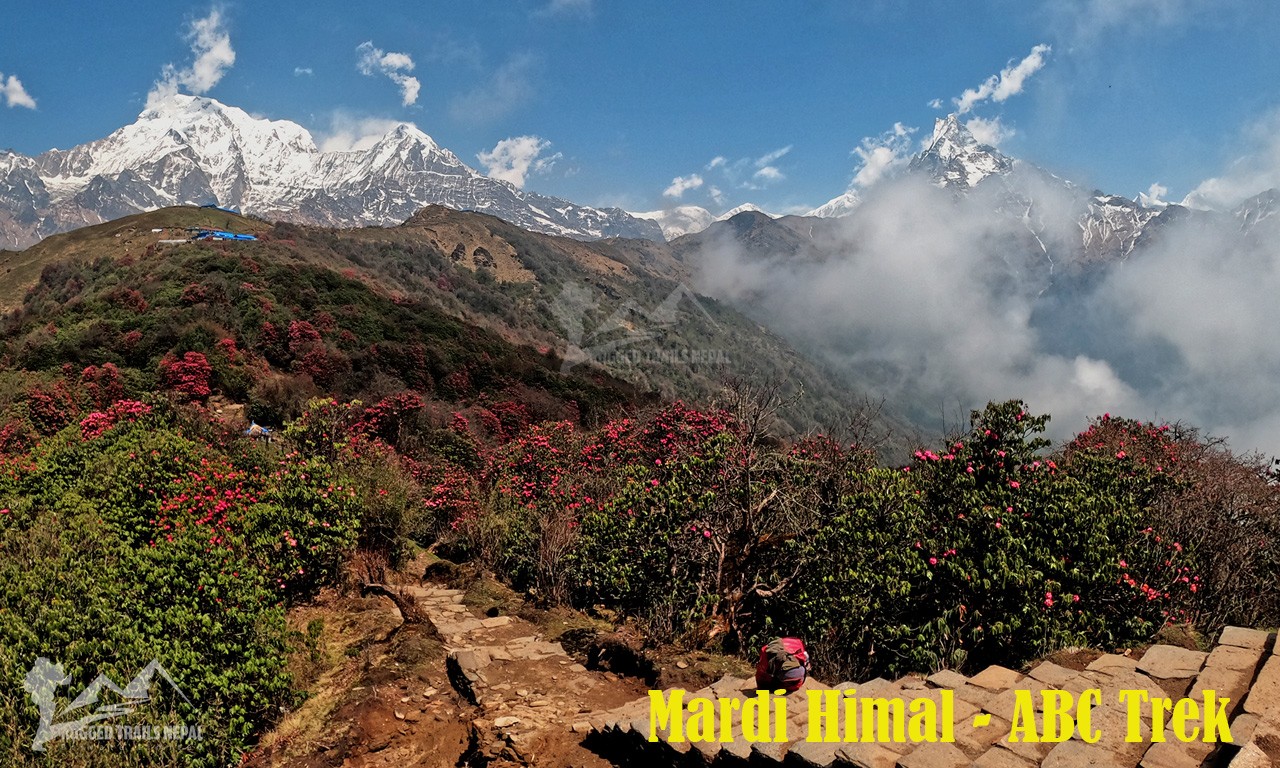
96	423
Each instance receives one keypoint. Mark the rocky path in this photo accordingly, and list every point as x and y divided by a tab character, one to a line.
1242	667
534	701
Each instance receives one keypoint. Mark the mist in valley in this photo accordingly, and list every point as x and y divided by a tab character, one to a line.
940	302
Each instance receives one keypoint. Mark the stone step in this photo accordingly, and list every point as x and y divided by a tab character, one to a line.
1241	666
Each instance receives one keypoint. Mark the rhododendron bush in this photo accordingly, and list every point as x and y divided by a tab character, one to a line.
133	523
138	534
987	548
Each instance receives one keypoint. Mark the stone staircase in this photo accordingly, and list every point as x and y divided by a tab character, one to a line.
522	686
1241	667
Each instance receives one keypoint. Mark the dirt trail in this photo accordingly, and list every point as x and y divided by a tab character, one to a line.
488	691
533	701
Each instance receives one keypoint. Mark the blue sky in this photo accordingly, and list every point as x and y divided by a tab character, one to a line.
624	97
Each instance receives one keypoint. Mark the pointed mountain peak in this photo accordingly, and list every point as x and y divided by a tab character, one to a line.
957	160
180	104
950	134
409	132
951	127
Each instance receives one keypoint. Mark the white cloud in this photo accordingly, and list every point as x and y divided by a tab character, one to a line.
716	194
769	173
509	88
513	159
303	71
211	47
935	104
1009	82
15	95
881	155
394	65
1257	169
682	184
769	158
348	133
990	132
1154	196
754	173
905	298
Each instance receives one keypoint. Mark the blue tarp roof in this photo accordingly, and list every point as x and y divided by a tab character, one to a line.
217	234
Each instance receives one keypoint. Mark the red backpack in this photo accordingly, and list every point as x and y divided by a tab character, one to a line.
783	665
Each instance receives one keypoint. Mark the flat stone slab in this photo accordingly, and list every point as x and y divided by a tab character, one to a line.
999	757
975	741
1251	756
814	754
1243	728
936	755
947	678
995	678
1264	696
1110	663
978	697
1168	661
868	755
1076	754
1053	675
1255	639
1173	754
733	686
1234	657
877	686
1226	683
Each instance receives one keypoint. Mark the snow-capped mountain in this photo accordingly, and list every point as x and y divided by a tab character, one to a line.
838	206
1109	226
678	221
193	150
729	214
1114	224
958	160
1258	209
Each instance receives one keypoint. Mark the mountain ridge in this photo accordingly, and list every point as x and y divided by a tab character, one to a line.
195	150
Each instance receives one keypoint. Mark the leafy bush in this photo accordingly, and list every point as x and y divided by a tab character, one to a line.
110	562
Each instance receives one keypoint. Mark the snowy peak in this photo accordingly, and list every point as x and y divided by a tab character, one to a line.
679	221
745	207
837	207
1258	209
957	160
1112	225
194	150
